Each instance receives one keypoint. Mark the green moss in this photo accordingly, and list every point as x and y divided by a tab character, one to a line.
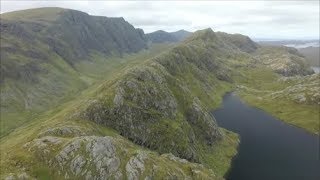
42	173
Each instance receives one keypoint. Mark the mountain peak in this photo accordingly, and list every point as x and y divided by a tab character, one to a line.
205	34
241	41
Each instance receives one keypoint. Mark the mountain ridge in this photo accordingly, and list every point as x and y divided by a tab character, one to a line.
149	118
161	36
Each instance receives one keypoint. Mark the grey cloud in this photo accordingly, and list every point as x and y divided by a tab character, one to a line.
257	18
160	21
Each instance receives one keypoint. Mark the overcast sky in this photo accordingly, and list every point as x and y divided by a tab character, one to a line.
258	19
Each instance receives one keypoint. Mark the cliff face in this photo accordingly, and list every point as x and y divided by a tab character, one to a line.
72	35
42	48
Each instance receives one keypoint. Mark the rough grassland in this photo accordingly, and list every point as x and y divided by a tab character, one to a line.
14	156
99	68
256	88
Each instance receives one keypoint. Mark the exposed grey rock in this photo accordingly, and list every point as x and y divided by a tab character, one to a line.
10	177
103	153
77	164
19	176
174	158
135	166
206	123
118	98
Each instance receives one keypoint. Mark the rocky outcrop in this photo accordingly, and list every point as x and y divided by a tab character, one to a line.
283	60
136	166
305	90
156	104
95	157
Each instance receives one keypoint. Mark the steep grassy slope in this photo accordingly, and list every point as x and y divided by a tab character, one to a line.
144	115
164	103
92	72
55	147
166	97
49	55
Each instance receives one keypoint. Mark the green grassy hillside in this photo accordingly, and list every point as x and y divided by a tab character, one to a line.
53	132
58	87
49	55
164	103
294	100
58	129
90	100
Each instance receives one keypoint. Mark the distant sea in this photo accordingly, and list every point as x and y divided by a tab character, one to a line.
309	44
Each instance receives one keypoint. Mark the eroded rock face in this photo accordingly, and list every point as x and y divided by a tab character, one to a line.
151	104
203	123
95	157
92	157
135	166
144	108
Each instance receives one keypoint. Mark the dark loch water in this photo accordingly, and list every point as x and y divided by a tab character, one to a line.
269	148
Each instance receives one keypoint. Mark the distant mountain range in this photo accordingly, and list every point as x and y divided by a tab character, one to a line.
163	36
292	43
